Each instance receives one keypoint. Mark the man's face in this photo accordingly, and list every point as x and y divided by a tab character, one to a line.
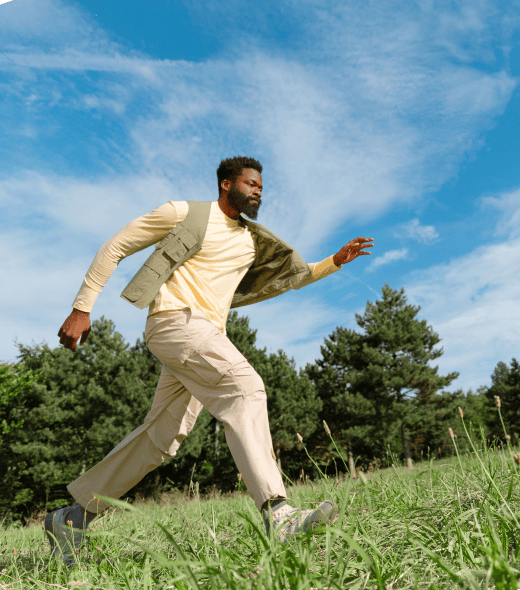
244	195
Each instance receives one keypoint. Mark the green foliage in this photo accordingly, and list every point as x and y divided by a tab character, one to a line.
13	379
82	405
447	524
432	416
367	381
506	385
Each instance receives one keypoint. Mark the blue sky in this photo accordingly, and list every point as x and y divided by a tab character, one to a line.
392	120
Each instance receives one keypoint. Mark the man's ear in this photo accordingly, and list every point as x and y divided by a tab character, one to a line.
225	185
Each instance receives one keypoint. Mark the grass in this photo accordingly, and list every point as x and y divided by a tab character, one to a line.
447	524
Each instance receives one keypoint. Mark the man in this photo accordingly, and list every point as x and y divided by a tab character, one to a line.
186	331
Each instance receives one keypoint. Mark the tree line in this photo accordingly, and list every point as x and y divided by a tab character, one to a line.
376	392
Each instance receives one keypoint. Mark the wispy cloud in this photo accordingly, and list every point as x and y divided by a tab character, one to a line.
472	303
508	205
387	258
415	231
365	127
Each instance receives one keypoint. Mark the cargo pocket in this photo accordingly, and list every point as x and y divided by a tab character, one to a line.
213	359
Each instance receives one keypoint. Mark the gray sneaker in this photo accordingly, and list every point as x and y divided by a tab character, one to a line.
64	539
288	521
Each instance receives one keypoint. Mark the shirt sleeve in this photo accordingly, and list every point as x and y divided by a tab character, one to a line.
134	237
319	270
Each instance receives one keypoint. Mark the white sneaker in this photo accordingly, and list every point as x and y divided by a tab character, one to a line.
64	539
288	521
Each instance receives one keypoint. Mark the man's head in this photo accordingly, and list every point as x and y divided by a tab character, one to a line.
240	184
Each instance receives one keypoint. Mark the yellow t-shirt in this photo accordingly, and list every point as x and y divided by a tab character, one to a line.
206	282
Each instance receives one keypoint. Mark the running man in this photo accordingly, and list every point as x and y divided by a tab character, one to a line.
239	263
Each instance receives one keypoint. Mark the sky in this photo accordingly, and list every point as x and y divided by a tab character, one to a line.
397	121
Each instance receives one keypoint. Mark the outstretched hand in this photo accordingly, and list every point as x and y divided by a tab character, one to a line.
352	250
76	325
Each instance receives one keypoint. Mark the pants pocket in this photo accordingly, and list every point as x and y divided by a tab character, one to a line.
214	358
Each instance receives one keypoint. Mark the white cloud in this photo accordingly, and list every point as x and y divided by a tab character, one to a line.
69	206
472	303
508	204
342	141
387	258
414	230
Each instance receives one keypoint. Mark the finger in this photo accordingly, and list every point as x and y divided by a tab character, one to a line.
84	336
65	340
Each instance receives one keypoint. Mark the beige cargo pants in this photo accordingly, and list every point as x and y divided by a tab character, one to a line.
201	367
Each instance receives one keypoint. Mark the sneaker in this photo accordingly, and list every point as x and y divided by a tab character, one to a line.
64	539
288	521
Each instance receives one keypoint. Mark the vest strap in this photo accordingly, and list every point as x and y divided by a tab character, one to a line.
182	242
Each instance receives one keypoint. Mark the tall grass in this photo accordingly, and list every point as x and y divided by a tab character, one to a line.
449	523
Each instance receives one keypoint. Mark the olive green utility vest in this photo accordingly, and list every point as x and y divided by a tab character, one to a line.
277	267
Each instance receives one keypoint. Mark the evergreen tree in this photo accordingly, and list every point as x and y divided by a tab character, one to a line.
382	370
293	407
506	385
13	380
432	416
83	404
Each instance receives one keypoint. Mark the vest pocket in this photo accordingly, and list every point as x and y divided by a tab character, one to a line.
177	247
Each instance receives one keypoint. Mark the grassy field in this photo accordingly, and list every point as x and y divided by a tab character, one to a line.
446	524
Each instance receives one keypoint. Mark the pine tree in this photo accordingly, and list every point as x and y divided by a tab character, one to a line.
506	385
432	416
13	380
354	420
382	370
83	404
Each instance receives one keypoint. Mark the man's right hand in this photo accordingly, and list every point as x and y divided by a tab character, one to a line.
76	325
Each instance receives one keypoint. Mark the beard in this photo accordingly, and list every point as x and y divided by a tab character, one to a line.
239	201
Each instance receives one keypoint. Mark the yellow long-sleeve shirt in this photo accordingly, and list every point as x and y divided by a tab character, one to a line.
206	282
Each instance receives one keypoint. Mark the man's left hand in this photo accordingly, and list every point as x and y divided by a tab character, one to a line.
352	250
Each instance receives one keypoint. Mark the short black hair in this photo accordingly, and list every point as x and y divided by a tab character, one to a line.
231	168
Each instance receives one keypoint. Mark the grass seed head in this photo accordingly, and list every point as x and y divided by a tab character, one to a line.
497	401
298	436
461	413
517	459
451	432
327	429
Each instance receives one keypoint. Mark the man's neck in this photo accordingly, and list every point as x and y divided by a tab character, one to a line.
226	208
